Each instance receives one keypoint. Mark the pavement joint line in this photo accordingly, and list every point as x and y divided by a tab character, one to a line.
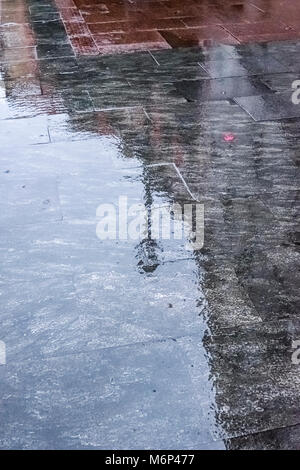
257	8
185	183
179	174
154	58
147	115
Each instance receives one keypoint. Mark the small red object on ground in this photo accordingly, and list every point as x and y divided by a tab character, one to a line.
228	137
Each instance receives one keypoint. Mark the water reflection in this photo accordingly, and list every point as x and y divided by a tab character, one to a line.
235	282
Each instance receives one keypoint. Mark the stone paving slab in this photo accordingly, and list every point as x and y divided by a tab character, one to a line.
28	201
219	89
127	389
32	131
270	385
246	66
272	107
276	439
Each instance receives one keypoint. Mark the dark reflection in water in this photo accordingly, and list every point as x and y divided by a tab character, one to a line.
249	281
246	269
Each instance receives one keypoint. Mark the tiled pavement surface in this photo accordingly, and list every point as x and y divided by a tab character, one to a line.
115	344
127	25
99	27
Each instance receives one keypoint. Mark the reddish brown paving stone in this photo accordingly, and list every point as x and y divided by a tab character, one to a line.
88	3
225	18
247	13
275	5
266	27
65	4
77	29
164	24
112	27
93	15
178	3
131	26
287	36
194	23
84	45
175	12
293	23
121	42
71	14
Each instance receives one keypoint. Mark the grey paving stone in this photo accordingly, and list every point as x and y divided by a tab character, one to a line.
61	166
162	311
275	49
29	131
29	200
130	96
191	56
45	51
58	65
128	390
79	102
2	89
243	66
270	107
47	7
43	16
80	126
279	47
221	89
290	60
39	314
22	87
30	106
51	32
250	365
276	439
280	82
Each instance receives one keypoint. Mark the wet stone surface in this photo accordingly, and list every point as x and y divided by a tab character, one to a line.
221	88
142	343
243	66
264	108
116	26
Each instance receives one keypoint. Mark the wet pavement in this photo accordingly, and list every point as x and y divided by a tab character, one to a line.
140	344
127	25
